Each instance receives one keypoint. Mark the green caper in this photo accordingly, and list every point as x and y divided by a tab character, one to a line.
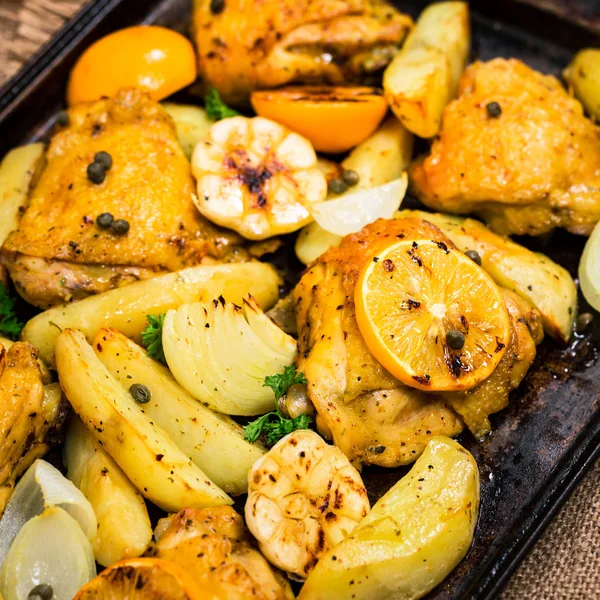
96	173
105	220
350	177
584	320
494	110
43	591
103	158
62	118
120	227
140	393
455	339
474	256
337	186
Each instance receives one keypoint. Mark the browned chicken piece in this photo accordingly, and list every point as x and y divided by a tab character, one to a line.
213	546
250	46
515	148
60	254
31	415
371	416
491	396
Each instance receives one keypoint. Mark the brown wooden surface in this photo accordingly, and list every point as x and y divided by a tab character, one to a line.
565	563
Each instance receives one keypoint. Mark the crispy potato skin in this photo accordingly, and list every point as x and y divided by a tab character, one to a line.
533	168
124	529
412	538
583	77
145	452
533	276
31	415
149	184
245	48
214	547
423	77
126	308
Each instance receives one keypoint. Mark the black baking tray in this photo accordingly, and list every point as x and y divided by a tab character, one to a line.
549	436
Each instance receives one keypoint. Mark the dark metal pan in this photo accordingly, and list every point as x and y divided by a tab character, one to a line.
548	437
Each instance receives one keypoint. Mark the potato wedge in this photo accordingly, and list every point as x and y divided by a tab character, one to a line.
191	123
423	77
145	452
126	308
313	241
583	77
124	528
17	171
214	442
412	538
531	275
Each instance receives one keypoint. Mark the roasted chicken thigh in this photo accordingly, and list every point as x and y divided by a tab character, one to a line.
516	149
371	416
251	46
60	253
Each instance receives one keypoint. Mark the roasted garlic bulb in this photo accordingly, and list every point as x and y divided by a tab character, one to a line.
304	497
257	177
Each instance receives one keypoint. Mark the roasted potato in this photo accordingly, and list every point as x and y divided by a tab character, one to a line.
413	537
145	452
17	171
191	123
381	158
126	308
423	77
124	529
583	77
531	275
214	442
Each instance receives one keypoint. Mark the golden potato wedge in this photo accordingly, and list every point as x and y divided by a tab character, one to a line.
17	171
423	77
531	275
124	529
126	308
382	157
145	452
214	442
583	77
412	538
191	123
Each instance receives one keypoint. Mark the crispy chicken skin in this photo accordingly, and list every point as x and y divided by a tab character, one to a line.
534	167
371	416
257	45
213	545
59	253
31	414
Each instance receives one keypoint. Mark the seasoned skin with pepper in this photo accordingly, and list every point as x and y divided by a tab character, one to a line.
60	253
371	416
516	149
245	46
31	414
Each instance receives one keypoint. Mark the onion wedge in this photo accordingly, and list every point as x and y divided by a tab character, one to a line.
351	212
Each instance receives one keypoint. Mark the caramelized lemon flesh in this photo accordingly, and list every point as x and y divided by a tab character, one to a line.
431	316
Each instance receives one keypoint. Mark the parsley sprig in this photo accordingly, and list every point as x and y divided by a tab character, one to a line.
216	109
10	326
274	425
152	337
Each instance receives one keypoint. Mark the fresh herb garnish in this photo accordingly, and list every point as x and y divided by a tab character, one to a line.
216	109
152	337
10	326
282	382
274	425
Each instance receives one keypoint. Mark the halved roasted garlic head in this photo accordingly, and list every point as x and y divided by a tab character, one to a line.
257	177
304	497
